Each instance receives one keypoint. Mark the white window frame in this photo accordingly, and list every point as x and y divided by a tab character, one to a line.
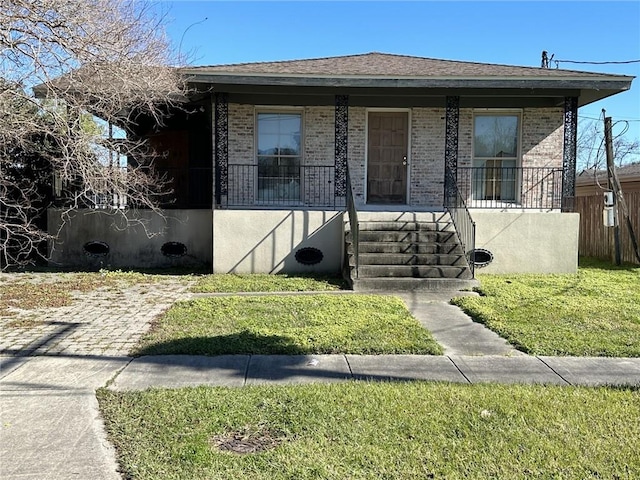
279	110
489	112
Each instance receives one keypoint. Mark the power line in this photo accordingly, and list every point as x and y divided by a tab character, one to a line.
546	60
597	63
618	119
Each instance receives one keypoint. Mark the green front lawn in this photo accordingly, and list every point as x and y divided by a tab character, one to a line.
363	430
262	282
593	313
278	324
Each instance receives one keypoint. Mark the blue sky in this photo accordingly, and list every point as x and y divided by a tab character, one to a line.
502	32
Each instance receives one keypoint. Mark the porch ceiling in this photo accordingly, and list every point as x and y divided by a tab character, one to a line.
409	97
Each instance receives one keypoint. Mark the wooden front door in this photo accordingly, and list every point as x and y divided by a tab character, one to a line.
387	157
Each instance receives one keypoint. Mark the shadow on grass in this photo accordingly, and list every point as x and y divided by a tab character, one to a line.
242	343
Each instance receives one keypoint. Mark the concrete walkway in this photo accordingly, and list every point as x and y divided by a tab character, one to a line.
50	426
452	328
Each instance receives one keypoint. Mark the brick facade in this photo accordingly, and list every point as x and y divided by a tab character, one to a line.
319	135
426	175
241	134
542	137
541	142
357	148
541	146
242	186
318	131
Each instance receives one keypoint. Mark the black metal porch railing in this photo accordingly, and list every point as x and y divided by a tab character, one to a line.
282	185
465	226
511	187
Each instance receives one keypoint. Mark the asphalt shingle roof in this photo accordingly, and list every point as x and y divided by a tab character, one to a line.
631	170
382	65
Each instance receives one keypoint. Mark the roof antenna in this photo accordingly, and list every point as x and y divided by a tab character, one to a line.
546	60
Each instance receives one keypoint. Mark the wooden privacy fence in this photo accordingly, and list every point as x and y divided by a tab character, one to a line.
596	240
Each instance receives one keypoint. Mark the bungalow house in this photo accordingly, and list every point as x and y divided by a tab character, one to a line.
388	166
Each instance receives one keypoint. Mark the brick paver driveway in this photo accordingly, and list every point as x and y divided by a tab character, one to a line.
106	321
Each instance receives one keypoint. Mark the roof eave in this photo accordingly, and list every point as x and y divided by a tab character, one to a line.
589	180
601	81
591	89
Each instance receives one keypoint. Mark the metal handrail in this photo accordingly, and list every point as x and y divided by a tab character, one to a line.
353	223
462	220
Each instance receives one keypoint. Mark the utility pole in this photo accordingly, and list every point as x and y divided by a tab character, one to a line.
612	186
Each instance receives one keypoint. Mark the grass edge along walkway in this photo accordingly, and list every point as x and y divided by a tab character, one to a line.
595	312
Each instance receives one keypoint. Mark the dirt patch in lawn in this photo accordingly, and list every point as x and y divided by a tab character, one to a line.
249	439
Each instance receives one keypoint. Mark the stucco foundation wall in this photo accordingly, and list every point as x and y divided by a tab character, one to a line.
130	246
265	241
528	242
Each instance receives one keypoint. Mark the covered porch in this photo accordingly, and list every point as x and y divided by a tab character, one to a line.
413	165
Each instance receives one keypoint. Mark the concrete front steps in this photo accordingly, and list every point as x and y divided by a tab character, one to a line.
407	251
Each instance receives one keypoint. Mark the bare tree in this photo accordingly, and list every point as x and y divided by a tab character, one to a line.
62	63
591	150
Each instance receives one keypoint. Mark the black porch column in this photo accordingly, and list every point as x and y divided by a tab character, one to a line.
452	120
341	141
221	146
569	155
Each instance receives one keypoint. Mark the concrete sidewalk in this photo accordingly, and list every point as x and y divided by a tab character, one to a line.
50	426
50	423
175	371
